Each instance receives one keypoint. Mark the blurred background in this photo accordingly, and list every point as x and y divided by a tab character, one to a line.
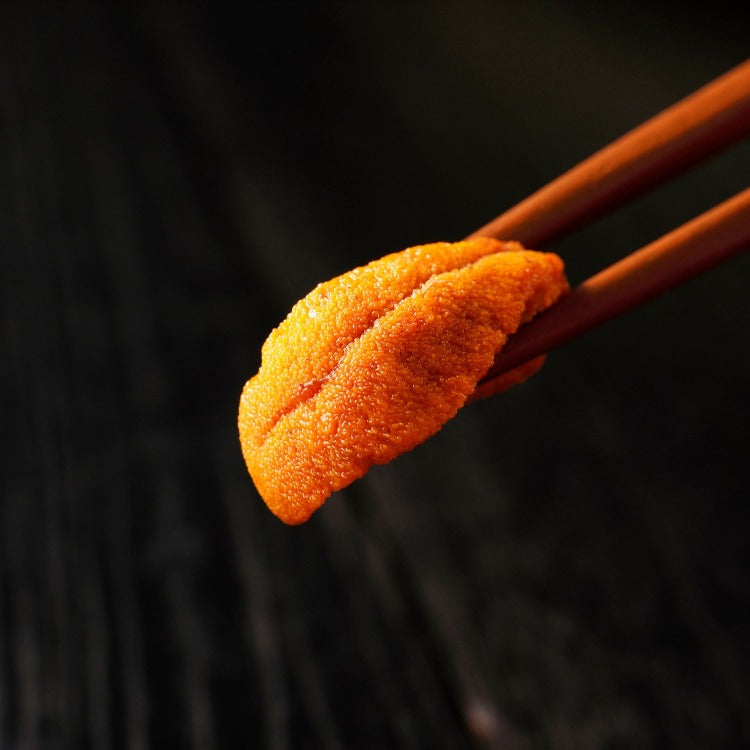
563	566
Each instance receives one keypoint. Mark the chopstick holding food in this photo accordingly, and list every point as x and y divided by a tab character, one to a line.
374	362
686	252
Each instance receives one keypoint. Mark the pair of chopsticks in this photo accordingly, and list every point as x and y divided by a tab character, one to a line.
711	119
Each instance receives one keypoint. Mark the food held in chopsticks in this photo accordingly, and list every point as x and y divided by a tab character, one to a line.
372	363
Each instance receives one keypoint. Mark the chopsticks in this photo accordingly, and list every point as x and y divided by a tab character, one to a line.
711	119
688	251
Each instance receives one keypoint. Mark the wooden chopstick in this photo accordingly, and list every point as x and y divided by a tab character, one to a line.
688	251
712	118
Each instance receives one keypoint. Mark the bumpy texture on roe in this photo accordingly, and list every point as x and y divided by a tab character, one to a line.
375	361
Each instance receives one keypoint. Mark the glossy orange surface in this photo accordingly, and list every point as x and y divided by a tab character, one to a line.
375	361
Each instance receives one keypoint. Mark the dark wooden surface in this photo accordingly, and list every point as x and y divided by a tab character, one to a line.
566	566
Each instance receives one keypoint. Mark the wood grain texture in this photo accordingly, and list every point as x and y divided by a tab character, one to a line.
564	567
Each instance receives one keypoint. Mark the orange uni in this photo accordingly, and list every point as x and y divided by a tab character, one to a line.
375	361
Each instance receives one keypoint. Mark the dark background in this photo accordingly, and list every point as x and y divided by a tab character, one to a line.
564	566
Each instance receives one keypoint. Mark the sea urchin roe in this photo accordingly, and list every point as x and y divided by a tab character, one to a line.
375	361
